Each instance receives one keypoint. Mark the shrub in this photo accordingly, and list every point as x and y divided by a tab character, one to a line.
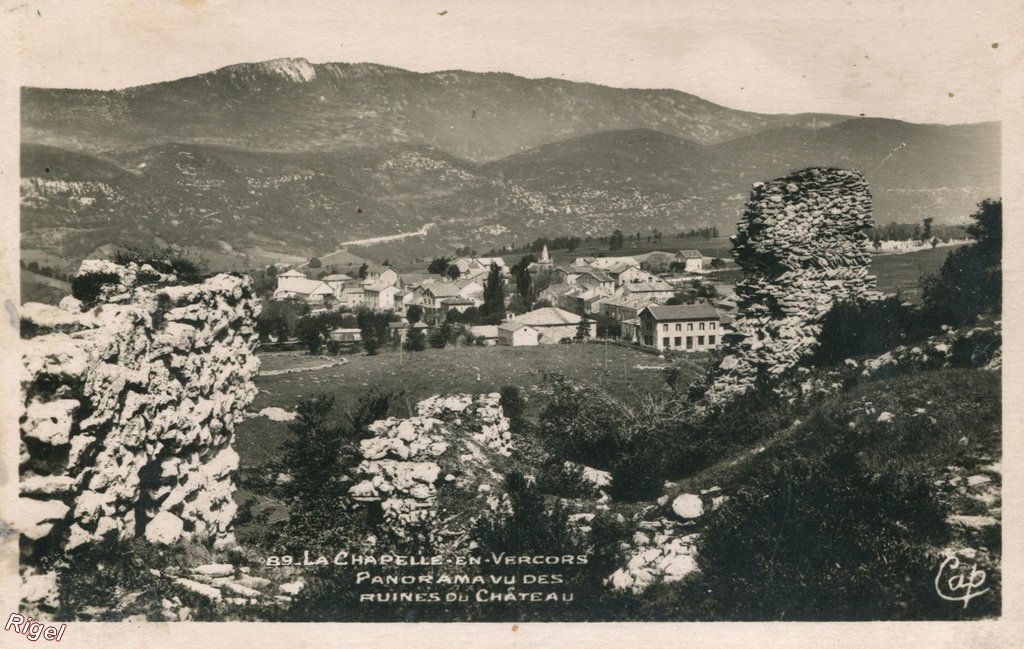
89	287
823	541
866	328
514	406
970	281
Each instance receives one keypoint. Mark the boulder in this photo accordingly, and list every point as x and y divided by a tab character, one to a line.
688	506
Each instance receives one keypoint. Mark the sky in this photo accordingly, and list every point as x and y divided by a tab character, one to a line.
933	61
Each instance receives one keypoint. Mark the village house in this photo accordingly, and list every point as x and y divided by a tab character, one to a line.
351	296
656	291
603	262
595	278
544	326
625	307
476	266
379	297
290	278
379	274
626	272
682	327
693	260
338	282
295	285
346	335
488	332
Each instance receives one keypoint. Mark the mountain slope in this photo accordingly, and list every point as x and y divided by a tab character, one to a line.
291	104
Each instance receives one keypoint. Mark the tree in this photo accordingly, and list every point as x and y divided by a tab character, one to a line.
970	281
717	263
415	340
926	232
608	327
309	331
364	270
582	330
314	263
493	308
373	328
312	455
438	339
876	241
439	266
521	274
453	272
616	241
414	313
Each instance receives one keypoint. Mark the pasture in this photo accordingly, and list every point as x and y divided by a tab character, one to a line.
626	372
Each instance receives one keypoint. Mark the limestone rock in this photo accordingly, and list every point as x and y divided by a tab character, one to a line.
688	506
165	528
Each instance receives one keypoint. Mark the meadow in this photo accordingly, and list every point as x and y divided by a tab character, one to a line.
627	372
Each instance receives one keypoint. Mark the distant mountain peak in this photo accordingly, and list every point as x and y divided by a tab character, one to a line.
298	70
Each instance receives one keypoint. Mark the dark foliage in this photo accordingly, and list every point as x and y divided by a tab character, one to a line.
970	281
867	328
89	287
824	541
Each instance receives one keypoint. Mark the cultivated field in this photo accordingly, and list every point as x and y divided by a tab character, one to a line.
630	374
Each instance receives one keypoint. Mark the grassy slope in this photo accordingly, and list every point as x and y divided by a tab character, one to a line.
435	371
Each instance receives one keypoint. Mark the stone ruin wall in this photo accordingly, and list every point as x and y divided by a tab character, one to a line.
129	409
456	442
802	247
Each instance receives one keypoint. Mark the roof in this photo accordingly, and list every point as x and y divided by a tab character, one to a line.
337	277
377	288
487	331
690	254
597	273
306	287
443	289
292	273
512	325
456	300
548	316
683	312
646	287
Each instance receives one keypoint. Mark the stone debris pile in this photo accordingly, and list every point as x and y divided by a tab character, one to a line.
130	403
802	246
453	442
664	550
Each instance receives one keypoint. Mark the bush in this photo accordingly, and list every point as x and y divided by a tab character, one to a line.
866	328
970	281
514	406
823	541
186	266
89	287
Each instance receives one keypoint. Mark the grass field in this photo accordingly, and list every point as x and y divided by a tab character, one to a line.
903	272
463	369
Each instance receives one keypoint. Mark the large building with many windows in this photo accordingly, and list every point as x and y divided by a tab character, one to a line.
683	327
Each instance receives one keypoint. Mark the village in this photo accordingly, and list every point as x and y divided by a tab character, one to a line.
665	301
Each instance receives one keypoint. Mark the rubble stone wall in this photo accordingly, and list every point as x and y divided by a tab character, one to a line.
454	442
802	247
130	405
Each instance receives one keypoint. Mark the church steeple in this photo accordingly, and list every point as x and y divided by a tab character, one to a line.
544	257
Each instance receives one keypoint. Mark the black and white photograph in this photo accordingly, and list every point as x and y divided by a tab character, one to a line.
563	312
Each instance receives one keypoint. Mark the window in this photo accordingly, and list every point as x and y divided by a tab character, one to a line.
664	327
664	342
689	342
689	326
712	326
679	341
711	340
700	340
679	327
702	326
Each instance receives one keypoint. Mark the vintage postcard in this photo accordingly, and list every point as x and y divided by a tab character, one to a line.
542	323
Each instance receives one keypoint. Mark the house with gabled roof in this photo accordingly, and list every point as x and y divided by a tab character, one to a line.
548	325
693	260
681	327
